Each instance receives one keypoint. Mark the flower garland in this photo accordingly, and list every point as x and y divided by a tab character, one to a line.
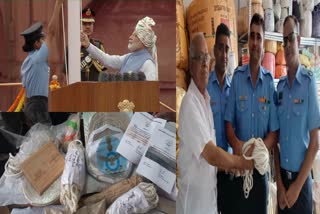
16	102
21	104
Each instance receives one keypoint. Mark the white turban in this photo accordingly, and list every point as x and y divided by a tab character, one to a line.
147	36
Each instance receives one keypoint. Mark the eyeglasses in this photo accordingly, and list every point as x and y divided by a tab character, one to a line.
202	58
289	38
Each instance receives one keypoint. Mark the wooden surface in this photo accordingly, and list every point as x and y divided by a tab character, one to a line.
104	97
43	167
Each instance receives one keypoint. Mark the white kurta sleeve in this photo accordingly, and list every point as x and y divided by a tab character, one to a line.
112	61
149	69
192	129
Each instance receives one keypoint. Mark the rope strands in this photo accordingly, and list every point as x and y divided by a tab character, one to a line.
260	156
73	177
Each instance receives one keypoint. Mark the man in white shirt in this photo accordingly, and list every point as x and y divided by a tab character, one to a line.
199	156
142	47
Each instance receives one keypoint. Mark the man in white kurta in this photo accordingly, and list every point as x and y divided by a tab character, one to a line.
199	156
197	179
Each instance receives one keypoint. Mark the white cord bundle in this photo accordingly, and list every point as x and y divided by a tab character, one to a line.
140	199
73	177
260	155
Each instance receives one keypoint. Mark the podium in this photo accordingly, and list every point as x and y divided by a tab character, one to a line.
105	96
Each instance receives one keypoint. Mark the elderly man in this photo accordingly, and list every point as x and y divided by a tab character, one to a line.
142	47
35	69
90	68
199	156
299	119
251	113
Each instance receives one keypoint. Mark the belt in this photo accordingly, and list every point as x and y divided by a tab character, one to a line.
37	98
291	176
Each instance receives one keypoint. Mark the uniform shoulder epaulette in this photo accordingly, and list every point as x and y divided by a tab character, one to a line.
307	72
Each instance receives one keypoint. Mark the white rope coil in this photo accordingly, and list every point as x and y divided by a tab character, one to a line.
260	156
150	193
69	196
73	176
12	167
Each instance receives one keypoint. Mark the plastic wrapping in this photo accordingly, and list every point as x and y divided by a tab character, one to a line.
277	11
269	20
73	177
111	193
296	10
13	139
103	162
92	121
308	4
267	4
270	46
140	199
14	188
71	130
306	24
285	3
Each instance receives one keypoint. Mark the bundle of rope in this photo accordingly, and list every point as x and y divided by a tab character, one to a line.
140	199
260	156
73	177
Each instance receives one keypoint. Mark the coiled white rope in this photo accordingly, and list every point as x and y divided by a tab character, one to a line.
260	156
150	194
12	167
69	196
73	176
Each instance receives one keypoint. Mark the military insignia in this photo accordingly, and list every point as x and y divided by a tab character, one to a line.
263	100
264	108
88	13
298	101
88	59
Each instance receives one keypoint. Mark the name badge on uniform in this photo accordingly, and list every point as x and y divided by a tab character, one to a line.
263	100
297	101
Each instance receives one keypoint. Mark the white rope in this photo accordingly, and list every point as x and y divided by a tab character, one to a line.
69	196
64	46
260	156
71	188
12	167
150	193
